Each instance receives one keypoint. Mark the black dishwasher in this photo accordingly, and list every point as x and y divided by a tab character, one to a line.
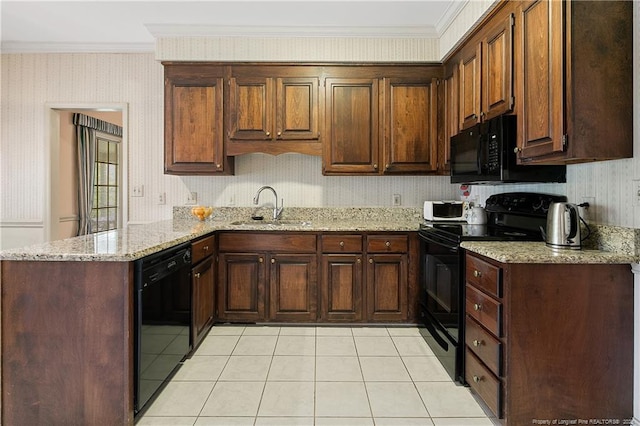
162	320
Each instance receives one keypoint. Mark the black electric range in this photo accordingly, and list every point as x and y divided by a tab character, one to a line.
515	216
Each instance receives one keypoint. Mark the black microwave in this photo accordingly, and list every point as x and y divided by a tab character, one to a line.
485	154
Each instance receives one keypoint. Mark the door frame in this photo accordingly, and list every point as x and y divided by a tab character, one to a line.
52	158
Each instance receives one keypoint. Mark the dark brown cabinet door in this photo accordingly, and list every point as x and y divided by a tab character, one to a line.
341	289
387	281
241	286
351	144
497	69
469	90
202	284
293	287
540	88
194	121
411	123
297	108
451	123
274	110
251	108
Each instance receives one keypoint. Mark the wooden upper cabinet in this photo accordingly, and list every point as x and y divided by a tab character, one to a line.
411	125
351	144
273	110
469	90
297	108
451	125
541	84
486	75
251	102
497	69
575	71
194	139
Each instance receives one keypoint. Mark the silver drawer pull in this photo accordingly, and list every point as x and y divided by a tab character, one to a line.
341	243
388	244
477	379
477	274
477	306
197	275
477	343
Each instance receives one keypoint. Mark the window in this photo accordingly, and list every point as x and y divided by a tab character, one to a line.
105	211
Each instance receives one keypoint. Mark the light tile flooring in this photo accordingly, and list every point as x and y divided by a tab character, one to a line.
271	375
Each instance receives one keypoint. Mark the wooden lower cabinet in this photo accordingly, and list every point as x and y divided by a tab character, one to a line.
550	341
341	289
202	288
203	295
267	276
241	286
293	287
387	287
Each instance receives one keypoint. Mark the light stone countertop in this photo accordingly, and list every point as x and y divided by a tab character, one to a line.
137	241
538	252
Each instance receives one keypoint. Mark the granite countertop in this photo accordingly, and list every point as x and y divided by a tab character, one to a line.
136	241
538	252
608	244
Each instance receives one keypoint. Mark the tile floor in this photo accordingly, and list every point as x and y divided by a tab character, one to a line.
271	375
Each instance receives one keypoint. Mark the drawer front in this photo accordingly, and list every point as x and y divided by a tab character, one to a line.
341	243
484	275
202	248
484	345
387	244
484	309
483	382
267	241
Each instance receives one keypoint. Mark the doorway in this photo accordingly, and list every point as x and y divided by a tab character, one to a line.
61	205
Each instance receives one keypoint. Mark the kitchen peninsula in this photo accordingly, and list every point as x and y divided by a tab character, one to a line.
67	305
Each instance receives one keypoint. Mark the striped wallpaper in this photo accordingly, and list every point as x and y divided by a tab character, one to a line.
30	82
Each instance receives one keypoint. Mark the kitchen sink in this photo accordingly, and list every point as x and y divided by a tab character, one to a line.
252	222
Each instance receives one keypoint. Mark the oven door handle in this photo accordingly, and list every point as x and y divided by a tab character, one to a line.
435	239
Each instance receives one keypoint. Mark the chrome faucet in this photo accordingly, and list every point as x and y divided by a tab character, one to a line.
276	211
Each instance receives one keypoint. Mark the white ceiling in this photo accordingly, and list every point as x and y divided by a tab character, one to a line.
128	26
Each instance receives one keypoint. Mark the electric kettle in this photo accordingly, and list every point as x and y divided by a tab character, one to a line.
563	227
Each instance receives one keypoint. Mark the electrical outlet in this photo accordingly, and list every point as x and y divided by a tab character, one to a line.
192	198
589	213
162	198
137	191
396	200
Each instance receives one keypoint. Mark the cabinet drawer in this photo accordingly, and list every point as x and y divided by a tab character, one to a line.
387	244
483	382
484	275
201	249
484	309
267	241
484	345
341	243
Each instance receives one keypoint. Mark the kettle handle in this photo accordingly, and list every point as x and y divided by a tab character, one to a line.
573	219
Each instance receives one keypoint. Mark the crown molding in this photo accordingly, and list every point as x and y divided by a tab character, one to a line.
180	30
449	16
39	47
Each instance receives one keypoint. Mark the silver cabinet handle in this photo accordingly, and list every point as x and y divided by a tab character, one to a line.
477	306
477	343
477	274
